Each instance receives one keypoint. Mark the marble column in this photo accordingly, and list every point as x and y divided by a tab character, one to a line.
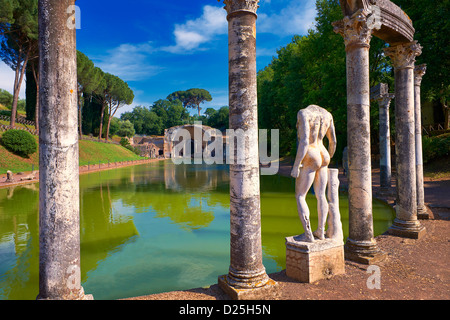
419	72
384	103
360	245
59	207
405	224
246	268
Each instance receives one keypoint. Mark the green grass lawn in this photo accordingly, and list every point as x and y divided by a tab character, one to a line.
437	169
90	152
93	152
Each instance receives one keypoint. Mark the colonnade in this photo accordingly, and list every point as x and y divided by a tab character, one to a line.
357	30
59	190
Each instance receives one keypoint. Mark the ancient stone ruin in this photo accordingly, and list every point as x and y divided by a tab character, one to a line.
247	278
382	18
59	225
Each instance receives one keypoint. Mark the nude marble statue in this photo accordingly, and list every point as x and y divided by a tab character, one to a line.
311	165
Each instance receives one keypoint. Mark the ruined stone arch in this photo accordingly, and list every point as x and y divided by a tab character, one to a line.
196	132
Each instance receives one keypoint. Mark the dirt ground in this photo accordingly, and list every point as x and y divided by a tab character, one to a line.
413	269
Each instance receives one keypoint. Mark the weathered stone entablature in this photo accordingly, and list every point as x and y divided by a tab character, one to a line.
419	72
404	55
394	24
234	6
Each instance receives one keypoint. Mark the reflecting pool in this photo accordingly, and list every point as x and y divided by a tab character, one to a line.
152	228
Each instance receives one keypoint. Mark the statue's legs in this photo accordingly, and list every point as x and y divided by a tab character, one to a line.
302	185
320	186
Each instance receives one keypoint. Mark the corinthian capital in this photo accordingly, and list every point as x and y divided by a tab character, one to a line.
419	72
384	101
404	55
233	6
356	29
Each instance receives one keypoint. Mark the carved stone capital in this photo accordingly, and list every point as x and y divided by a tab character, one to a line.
234	6
356	29
419	72
384	101
404	55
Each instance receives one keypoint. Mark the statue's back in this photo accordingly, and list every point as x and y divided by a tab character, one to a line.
318	120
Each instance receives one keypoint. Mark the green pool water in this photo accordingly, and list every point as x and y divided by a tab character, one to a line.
152	228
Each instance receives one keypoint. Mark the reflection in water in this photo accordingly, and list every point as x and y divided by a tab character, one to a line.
151	228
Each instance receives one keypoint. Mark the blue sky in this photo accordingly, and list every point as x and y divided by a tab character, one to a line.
163	46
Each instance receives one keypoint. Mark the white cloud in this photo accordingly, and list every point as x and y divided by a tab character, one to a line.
130	62
7	80
295	18
192	34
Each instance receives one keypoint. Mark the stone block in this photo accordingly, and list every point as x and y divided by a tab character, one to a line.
269	291
312	261
407	229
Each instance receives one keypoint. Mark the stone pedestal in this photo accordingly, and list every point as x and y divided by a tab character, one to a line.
270	290
312	261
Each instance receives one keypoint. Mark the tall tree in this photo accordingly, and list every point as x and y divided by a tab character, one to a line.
191	98
89	79
432	25
180	96
19	33
197	97
103	96
35	71
120	95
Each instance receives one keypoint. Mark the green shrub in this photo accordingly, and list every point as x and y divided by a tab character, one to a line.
20	142
124	142
5	113
435	147
133	149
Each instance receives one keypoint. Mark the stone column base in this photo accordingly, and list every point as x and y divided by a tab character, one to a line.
312	261
423	213
269	291
385	192
82	297
407	229
365	252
